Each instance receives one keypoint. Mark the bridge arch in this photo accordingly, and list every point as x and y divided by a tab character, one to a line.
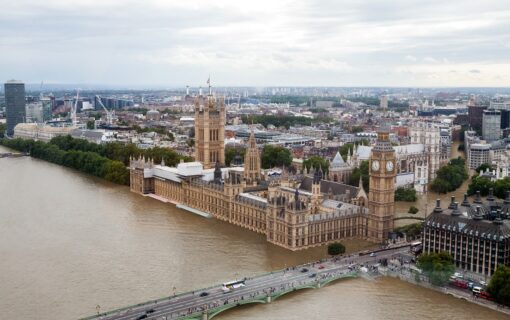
280	294
224	308
328	281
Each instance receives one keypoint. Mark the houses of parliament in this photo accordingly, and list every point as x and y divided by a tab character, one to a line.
294	211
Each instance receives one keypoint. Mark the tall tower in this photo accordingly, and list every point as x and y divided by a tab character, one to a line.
381	202
210	130
14	104
252	161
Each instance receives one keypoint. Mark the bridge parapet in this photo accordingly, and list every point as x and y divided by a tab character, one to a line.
318	283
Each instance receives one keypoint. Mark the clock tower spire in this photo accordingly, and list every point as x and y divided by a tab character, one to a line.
381	201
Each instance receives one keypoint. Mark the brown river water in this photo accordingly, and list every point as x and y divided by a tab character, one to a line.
70	242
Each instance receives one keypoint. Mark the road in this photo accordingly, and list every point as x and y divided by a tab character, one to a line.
258	287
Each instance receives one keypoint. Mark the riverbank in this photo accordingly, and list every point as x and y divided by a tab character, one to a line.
459	294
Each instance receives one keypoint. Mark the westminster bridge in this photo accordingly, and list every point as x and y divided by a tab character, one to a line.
205	304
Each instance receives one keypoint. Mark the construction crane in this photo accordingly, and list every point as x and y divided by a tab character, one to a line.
109	114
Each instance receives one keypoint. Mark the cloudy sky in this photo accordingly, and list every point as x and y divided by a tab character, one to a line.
257	43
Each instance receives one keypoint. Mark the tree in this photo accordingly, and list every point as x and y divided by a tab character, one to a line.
116	172
450	177
316	162
481	184
2	130
275	156
90	124
230	154
499	286
356	129
483	167
412	231
336	248
413	210
344	149
439	267
405	194
362	172
501	187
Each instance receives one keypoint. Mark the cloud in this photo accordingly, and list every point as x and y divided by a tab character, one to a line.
429	59
474	71
314	42
410	58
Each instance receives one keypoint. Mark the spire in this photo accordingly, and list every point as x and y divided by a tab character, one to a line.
360	184
217	172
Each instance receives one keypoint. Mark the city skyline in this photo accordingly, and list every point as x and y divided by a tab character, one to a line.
317	43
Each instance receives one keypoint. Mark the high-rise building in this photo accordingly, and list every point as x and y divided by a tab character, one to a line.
384	102
381	201
491	125
34	112
475	114
46	108
14	104
210	130
504	107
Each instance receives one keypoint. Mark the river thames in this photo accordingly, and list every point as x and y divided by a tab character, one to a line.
70	242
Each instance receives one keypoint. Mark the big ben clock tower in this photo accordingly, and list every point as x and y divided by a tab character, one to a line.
381	201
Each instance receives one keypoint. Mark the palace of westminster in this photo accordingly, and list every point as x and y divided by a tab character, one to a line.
293	211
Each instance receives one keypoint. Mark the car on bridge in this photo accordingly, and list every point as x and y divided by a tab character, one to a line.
304	270
204	294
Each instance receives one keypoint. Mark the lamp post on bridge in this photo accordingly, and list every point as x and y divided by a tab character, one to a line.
174	290
98	307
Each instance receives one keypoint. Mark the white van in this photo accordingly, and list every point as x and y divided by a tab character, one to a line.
477	290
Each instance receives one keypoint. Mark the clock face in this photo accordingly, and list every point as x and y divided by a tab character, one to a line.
375	165
389	165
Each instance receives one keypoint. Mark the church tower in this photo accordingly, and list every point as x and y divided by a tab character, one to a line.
252	161
381	202
210	130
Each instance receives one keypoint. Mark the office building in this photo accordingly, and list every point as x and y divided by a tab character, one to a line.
477	234
475	115
491	125
14	104
478	154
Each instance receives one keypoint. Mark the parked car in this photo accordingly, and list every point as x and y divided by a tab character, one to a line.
204	294
304	270
476	290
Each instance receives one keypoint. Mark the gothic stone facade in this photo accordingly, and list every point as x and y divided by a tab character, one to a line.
294	213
